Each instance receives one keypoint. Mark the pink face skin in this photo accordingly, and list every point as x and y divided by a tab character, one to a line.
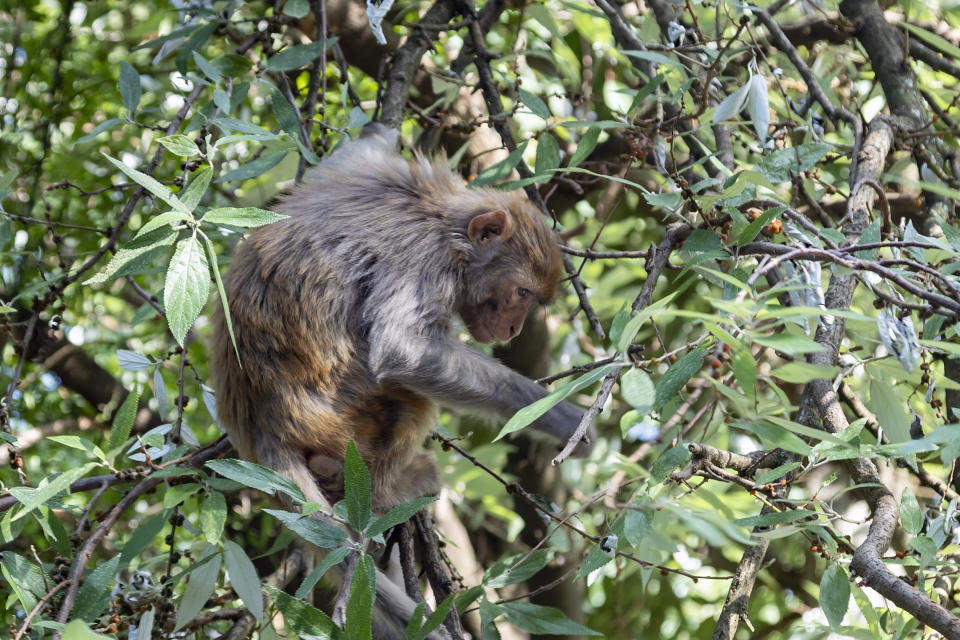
500	317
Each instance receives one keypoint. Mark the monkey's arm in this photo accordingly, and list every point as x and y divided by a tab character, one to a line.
452	373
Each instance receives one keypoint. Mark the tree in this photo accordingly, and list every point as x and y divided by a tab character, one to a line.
758	206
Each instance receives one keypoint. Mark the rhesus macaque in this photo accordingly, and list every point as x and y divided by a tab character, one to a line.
343	316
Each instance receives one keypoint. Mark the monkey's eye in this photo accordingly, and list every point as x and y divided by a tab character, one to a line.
524	293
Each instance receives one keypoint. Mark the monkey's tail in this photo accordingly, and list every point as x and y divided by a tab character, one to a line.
392	608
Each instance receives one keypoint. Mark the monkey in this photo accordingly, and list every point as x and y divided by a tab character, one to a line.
344	313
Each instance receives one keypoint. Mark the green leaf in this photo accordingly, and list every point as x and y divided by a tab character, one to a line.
911	518
333	558
586	145
243	578
187	287
123	420
287	116
834	594
180	145
167	218
800	372
501	170
242	217
598	556
296	8
400	513
94	594
790	344
934	40
504	572
178	493
778	166
618	324
212	516
678	375
106	125
777	436
645	92
638	390
890	411
668	461
548	154
528	414
255	168
206	67
360	604
775	474
32	498
200	586
356	485
212	256
76	442
771	519
191	195
143	536
137	255
310	528
751	230
256	476
296	56
435	620
745	371
537	619
637	526
78	630
306	621
129	85
150	184
651	56
535	104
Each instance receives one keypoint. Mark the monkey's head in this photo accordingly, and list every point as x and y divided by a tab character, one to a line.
514	265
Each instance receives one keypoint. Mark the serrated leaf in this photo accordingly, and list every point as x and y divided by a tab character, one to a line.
360	603
585	146
548	154
222	100
597	557
200	586
356	485
137	255
911	518
890	412
547	620
187	287
310	528
535	104
677	375
242	216
180	145
668	461
129	86
243	578
94	594
255	168
178	493
637	526
256	476
306	621
287	116
638	390
123	420
399	514
150	184
834	594
212	516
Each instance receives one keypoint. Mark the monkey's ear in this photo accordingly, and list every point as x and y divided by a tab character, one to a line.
487	228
